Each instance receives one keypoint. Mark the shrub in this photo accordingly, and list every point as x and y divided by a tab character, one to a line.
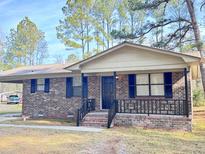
198	97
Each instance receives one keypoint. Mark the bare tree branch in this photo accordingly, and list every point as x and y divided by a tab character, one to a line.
176	36
139	5
165	22
202	5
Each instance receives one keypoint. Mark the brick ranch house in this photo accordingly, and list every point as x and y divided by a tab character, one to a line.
126	85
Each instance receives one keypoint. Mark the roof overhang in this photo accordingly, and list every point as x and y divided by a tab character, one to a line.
17	75
20	78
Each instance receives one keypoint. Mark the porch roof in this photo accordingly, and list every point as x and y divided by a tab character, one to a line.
187	57
133	57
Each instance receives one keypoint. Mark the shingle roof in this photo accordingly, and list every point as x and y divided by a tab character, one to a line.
38	69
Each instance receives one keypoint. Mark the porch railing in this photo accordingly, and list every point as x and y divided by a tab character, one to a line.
152	106
112	112
88	105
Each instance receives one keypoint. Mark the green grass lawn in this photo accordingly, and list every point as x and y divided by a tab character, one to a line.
111	141
10	108
41	121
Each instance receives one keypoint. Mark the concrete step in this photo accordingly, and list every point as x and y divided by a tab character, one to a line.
95	119
94	124
97	114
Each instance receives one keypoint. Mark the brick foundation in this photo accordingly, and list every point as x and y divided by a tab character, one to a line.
154	121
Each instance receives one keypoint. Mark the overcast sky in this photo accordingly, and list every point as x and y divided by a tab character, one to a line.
44	13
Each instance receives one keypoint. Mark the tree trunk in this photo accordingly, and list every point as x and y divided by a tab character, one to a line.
88	42
103	36
196	30
108	33
82	41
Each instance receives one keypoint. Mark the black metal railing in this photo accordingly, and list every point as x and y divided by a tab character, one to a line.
152	106
88	105
112	112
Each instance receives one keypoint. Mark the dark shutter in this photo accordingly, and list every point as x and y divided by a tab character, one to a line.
47	85
168	84
85	87
33	85
132	85
69	87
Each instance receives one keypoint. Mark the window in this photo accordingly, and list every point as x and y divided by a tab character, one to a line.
157	84
142	81
40	84
150	84
77	86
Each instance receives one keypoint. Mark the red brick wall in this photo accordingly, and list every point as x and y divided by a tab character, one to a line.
94	89
53	104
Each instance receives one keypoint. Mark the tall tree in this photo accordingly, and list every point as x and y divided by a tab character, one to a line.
198	41
190	25
26	45
85	23
41	52
128	23
74	29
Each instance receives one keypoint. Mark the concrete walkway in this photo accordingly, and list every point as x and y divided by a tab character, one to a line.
2	119
65	128
9	116
5	117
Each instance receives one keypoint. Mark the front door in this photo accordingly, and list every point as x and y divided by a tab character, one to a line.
107	91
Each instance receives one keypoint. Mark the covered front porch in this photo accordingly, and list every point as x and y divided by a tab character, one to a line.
135	81
162	93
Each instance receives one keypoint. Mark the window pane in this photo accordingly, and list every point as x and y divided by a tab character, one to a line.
40	87
142	79
157	78
142	90
77	81
157	90
77	91
40	81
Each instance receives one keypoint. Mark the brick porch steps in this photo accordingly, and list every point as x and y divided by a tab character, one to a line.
95	119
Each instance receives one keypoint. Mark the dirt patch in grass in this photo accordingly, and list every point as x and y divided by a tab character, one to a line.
111	141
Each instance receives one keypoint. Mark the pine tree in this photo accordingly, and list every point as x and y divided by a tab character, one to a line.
24	45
